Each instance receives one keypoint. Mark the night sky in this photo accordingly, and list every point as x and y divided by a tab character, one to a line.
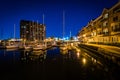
77	14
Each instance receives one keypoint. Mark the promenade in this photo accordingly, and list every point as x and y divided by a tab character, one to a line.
111	50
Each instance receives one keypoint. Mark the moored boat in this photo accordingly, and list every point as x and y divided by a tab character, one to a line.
11	47
28	47
38	47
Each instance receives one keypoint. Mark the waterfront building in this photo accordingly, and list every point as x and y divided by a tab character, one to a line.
105	29
31	31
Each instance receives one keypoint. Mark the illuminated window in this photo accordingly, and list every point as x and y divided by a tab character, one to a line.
105	24
24	26
92	34
105	30
106	15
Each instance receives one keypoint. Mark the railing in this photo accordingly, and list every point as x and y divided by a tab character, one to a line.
99	51
116	30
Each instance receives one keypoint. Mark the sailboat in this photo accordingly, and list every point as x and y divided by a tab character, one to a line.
27	47
12	46
39	46
63	46
2	45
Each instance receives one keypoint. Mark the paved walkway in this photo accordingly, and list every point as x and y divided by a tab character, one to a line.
112	49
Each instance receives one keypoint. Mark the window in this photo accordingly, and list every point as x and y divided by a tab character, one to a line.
105	30
112	39
94	33
92	24
106	15
105	23
24	26
117	9
116	28
27	31
113	28
115	18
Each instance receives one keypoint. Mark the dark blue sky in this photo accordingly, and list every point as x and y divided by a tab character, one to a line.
77	14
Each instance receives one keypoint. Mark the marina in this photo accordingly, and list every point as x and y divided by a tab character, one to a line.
55	64
60	40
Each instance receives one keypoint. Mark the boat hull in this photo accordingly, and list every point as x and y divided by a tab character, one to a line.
11	47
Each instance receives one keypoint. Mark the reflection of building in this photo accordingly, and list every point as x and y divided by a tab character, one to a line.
32	31
105	29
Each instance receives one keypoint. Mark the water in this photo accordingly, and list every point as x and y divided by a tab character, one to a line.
54	64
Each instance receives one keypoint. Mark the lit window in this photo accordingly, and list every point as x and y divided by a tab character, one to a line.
24	26
105	23
95	33
106	15
105	30
92	33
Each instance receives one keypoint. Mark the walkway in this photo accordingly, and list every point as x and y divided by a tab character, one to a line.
112	49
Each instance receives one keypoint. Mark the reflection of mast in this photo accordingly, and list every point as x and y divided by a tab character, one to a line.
63	24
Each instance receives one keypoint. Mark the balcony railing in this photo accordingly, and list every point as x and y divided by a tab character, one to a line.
103	33
116	30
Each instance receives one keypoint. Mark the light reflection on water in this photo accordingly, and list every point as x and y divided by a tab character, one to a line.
54	64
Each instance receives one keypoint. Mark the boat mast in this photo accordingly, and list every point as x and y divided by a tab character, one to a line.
1	34
37	30
33	31
70	34
43	25
43	19
44	41
14	31
63	24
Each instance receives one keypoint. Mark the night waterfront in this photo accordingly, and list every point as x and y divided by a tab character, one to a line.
60	40
56	65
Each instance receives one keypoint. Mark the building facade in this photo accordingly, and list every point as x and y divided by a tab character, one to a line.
32	31
105	29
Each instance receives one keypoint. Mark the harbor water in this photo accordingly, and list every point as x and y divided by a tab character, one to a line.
54	64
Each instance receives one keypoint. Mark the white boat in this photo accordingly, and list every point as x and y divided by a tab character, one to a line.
38	47
63	47
28	47
11	47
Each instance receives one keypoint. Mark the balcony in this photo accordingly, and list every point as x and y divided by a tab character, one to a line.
105	33
104	19
116	30
89	35
99	34
116	10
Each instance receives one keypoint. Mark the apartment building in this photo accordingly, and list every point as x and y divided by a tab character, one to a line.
32	31
105	29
